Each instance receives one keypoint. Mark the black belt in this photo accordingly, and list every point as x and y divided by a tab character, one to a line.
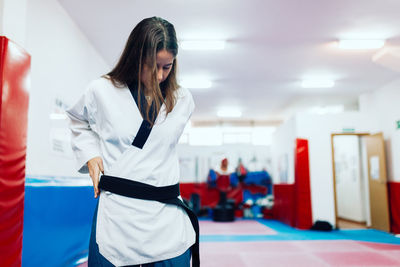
165	194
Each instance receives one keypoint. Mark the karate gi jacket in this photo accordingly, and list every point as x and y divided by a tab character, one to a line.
104	122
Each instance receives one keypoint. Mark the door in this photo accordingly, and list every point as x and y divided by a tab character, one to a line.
378	191
348	177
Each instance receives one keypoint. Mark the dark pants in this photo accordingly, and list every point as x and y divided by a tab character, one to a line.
97	260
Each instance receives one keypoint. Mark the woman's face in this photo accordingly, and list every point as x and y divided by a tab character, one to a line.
164	60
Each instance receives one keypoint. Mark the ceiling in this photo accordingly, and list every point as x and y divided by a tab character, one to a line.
271	46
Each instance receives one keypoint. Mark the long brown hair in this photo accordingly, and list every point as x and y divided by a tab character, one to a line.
150	36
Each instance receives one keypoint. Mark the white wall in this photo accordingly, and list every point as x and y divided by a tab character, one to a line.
282	149
13	20
63	63
379	111
317	129
383	109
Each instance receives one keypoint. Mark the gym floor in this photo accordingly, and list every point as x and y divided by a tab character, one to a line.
271	243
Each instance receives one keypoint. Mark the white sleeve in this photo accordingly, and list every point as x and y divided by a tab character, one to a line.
84	140
191	104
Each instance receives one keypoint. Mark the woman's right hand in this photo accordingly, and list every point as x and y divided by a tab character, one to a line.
95	166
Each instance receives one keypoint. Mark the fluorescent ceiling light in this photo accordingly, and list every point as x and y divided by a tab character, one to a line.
361	44
229	113
317	83
195	83
203	45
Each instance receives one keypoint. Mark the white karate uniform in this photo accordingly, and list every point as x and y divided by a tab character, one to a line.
104	123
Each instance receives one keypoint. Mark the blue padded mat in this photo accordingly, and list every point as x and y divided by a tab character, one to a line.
57	222
286	233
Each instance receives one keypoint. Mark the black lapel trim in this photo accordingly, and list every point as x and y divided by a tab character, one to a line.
145	128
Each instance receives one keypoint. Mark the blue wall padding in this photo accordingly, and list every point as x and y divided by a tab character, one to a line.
212	178
57	222
258	178
234	179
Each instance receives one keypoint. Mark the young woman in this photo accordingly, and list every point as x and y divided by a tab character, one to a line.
126	127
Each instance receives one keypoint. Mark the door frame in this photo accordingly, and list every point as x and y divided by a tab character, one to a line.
333	167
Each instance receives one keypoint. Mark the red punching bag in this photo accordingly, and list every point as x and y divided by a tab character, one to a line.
14	75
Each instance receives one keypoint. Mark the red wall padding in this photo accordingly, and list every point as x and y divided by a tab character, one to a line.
284	203
394	200
14	71
292	202
302	185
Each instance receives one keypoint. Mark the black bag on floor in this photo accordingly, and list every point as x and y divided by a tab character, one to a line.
322	226
224	213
